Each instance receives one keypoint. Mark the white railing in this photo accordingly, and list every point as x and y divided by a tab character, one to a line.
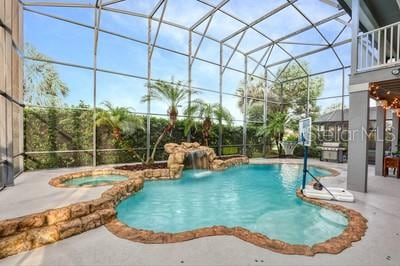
379	47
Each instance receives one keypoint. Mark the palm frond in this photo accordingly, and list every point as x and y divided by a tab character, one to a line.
120	118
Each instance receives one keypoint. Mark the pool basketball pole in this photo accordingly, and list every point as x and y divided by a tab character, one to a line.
305	169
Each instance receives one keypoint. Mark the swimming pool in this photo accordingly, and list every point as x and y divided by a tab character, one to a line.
95	180
260	198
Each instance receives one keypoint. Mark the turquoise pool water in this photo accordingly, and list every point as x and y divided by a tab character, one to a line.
95	180
260	198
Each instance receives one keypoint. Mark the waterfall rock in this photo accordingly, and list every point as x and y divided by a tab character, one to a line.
170	147
193	155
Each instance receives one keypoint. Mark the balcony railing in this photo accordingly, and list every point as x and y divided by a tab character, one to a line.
378	48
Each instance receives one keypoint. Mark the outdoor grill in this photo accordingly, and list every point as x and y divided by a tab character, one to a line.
331	151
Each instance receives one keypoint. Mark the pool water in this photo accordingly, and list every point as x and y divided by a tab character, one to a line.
95	180
261	198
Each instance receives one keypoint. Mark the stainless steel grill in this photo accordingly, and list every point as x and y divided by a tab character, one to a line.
332	151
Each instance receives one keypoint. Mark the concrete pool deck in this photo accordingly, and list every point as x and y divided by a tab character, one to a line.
380	246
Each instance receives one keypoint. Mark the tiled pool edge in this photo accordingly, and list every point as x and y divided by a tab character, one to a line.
357	226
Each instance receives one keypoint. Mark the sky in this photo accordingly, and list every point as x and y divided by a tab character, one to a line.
66	42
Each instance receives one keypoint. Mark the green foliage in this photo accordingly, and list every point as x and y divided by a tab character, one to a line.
53	129
294	93
122	122
42	84
291	137
255	98
171	93
72	129
230	150
255	112
275	128
51	134
76	134
313	150
255	92
289	97
120	135
206	112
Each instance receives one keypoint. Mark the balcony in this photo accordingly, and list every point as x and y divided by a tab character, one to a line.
379	48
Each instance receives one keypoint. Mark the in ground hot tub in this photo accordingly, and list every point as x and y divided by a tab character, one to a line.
99	180
93	178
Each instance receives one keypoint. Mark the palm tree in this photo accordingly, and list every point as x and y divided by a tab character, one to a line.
171	93
275	128
42	84
207	112
122	122
255	92
255	98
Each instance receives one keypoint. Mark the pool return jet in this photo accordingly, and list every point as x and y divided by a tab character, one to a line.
317	191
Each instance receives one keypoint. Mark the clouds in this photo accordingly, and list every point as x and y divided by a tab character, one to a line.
71	43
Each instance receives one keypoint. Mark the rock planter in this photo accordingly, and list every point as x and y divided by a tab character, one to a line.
140	166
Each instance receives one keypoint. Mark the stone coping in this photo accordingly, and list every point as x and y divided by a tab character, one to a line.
35	230
148	174
355	230
39	229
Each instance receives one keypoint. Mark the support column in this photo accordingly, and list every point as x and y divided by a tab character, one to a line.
380	139
97	11
189	136
148	119
355	23
221	80
265	110
357	167
395	132
308	96
245	108
18	81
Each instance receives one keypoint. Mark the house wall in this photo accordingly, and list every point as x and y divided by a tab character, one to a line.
11	76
